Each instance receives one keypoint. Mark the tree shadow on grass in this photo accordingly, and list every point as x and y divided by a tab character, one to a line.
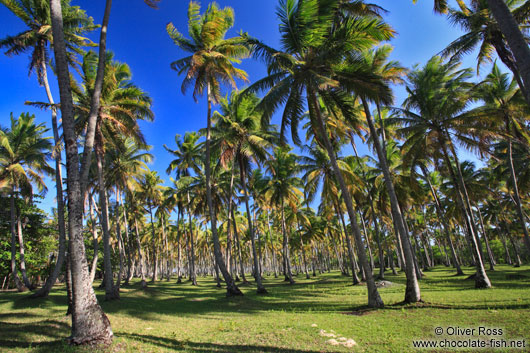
22	335
198	347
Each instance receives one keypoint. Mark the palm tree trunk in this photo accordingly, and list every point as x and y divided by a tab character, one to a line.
14	270
121	250
230	205
21	251
516	41
257	273
128	245
374	300
90	325
481	278
153	239
412	291
110	292
50	281
193	274
443	220
517	197
231	287
94	240
143	283
286	263
355	279
491	259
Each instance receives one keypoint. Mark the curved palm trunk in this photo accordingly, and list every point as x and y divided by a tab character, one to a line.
349	245
513	35
14	270
491	259
50	281
522	219
90	325
110	291
231	287
257	272
273	254
481	278
286	263
143	283
443	221
374	300
191	265
153	238
412	291
25	279
379	245
94	240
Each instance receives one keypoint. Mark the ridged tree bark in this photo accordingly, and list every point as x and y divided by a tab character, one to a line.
90	325
516	41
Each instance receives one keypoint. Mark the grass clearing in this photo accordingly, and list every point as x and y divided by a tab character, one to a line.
168	317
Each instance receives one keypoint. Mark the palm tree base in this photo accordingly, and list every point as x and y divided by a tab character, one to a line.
262	290
233	291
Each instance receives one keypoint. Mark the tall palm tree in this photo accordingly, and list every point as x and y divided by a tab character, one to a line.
433	111
209	66
312	63
243	140
504	115
188	159
127	161
36	16
284	188
90	325
23	159
122	104
150	191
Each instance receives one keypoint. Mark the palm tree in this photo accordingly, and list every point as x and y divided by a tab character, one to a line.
121	105
438	96
90	325
127	161
23	159
508	22
504	113
482	31
36	16
150	190
187	154
209	66
244	141
284	188
312	62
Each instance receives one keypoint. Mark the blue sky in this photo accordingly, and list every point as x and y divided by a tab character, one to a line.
138	37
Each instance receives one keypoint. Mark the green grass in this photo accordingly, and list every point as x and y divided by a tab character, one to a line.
171	317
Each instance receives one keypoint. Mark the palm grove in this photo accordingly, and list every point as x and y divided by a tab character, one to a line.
244	203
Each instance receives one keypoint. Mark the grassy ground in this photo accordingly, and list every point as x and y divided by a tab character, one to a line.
171	317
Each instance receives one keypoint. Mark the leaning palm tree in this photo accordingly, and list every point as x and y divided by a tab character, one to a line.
312	64
504	115
210	64
23	159
36	16
508	22
432	114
